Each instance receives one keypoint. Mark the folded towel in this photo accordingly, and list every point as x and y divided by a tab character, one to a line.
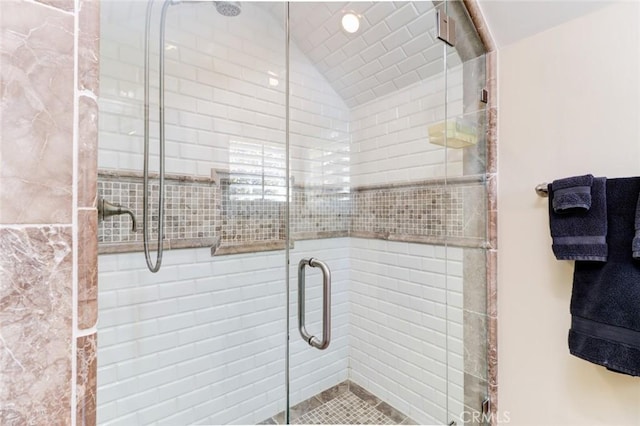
581	234
572	193
635	245
605	300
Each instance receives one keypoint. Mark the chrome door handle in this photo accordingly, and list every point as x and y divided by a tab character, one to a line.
326	303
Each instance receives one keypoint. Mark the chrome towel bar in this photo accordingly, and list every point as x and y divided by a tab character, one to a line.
542	190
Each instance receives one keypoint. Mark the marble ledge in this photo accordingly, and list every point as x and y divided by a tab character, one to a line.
454	180
132	174
251	247
299	236
463	242
168	244
219	248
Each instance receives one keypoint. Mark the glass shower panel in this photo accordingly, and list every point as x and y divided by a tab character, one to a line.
465	139
367	191
203	340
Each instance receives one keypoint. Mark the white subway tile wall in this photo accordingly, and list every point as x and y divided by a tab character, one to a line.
398	325
224	88
311	370
204	340
390	136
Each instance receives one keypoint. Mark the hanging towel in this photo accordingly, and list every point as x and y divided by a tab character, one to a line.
605	302
580	234
635	245
572	193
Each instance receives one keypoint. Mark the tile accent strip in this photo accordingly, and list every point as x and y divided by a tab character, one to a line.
192	209
201	213
421	210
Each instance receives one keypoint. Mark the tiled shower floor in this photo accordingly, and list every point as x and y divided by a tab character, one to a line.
343	404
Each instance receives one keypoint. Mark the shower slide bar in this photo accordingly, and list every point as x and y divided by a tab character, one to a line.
326	304
161	139
542	190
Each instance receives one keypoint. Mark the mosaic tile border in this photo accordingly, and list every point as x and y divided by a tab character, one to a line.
337	399
202	212
192	209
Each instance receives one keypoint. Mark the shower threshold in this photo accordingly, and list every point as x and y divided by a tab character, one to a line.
346	404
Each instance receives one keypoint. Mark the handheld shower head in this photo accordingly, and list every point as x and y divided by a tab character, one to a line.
228	8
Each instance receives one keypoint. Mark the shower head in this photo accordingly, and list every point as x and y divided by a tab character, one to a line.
228	8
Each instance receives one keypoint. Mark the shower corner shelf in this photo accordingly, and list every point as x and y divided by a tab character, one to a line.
453	133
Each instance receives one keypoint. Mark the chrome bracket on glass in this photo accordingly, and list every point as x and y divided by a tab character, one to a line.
326	303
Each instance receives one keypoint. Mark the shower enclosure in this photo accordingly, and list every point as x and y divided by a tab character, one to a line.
289	139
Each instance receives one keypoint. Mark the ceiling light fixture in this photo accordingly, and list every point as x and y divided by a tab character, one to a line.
350	22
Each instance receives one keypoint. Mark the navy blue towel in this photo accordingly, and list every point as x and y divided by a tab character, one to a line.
605	302
572	193
581	234
635	245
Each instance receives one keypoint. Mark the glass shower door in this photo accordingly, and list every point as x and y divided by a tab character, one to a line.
369	199
319	213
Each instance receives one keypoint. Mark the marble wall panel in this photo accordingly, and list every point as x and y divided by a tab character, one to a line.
89	46
37	113
87	269
36	324
86	380
87	152
66	5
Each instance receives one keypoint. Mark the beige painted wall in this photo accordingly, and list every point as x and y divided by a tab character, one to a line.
569	104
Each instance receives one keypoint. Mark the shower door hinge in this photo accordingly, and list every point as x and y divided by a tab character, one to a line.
445	28
484	96
486	409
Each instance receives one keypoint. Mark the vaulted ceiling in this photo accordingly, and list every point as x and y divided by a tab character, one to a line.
395	47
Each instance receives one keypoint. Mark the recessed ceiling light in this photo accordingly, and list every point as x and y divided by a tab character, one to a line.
350	22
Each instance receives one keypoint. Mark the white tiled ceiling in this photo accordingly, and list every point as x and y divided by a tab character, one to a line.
395	46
